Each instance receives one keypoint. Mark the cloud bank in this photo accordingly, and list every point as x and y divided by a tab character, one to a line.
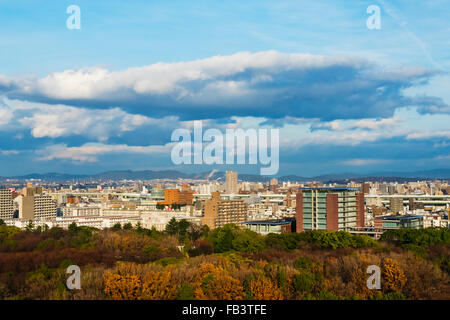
267	84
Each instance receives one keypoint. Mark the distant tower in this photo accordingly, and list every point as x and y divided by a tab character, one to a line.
231	182
273	185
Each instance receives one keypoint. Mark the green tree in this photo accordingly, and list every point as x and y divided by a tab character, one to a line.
182	229
128	226
306	282
303	263
73	227
419	237
248	241
30	226
222	238
172	227
185	292
139	228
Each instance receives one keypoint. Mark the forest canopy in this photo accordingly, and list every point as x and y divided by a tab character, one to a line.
187	261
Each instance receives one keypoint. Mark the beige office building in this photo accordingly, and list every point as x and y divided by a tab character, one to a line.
217	212
34	204
396	205
6	204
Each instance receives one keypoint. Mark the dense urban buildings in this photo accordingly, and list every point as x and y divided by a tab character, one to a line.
265	207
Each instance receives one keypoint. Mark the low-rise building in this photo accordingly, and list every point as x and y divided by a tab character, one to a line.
264	227
392	222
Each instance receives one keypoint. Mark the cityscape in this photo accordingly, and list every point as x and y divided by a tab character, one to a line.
224	159
207	239
360	208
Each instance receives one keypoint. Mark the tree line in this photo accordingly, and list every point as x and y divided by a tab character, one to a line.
187	261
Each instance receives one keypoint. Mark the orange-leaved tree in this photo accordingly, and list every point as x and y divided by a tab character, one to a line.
263	288
158	286
123	287
393	277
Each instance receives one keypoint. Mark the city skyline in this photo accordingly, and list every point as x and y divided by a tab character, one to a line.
222	156
345	98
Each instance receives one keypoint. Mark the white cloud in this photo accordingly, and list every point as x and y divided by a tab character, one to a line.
5	113
428	135
363	124
373	124
444	158
9	152
365	162
268	84
163	78
89	152
55	121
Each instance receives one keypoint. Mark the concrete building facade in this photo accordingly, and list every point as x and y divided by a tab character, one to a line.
323	208
231	182
6	204
396	205
217	212
34	204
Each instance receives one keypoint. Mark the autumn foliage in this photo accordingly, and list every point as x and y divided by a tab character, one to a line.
394	278
123	287
225	264
265	289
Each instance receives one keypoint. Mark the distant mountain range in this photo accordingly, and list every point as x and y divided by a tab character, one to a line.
173	174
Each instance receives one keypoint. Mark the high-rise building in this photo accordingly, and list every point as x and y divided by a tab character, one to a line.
324	208
396	205
6	204
366	188
231	182
217	212
35	204
273	185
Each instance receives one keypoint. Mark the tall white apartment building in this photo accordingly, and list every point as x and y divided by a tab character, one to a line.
6	204
35	204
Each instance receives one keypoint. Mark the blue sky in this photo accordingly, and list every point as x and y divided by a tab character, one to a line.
109	95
